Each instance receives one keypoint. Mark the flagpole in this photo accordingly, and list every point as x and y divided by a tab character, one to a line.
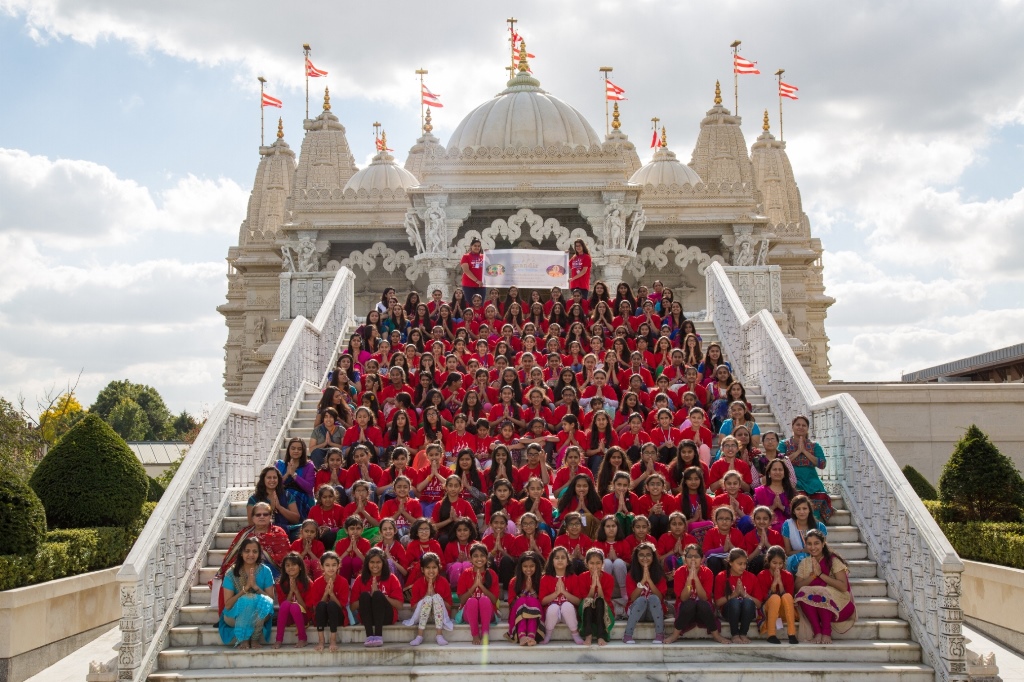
305	67
735	78
606	70
376	135
421	73
262	81
778	75
654	121
512	21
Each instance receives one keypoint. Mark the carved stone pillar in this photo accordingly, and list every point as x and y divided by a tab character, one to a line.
615	262
438	274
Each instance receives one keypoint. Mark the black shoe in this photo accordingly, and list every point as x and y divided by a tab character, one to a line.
793	639
774	640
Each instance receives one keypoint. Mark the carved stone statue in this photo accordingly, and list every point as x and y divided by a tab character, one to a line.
762	253
436	229
615	226
744	253
412	228
260	331
637	226
289	261
309	259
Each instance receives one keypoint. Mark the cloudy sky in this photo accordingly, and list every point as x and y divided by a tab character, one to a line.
129	133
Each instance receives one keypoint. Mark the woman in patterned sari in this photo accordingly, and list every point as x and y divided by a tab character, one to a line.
807	457
823	592
274	542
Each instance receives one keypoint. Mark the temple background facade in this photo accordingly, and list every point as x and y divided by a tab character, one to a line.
522	170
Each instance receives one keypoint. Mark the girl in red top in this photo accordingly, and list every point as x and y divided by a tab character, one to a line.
580	268
694	587
594	590
776	589
621	501
327	599
361	507
633	437
459	439
431	596
569	470
431	479
332	473
364	432
647	466
570	435
501	467
657	505
499	544
352	548
737	595
611	541
695	503
362	469
292	590
574	541
558	598
641	534
402	509
377	594
530	538
524	607
762	538
699	434
645	588
309	548
478	590
599	439
672	543
394	552
537	502
456	552
741	503
686	458
501	499
721	540
422	534
729	462
449	510
327	516
665	436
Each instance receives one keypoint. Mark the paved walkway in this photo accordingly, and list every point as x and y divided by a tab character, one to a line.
74	667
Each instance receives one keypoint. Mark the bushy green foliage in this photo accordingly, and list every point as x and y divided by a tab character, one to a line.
22	517
156	490
71	552
20	443
993	543
90	478
129	420
920	484
981	482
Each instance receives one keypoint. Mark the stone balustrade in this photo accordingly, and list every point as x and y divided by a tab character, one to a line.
236	442
915	558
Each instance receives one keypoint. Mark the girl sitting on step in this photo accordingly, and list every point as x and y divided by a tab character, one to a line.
777	589
558	595
327	599
376	596
248	599
694	587
292	590
525	614
431	599
737	596
823	592
479	591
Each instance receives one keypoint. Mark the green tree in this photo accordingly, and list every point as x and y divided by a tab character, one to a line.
20	442
920	484
981	483
90	478
21	516
57	419
183	425
158	417
129	420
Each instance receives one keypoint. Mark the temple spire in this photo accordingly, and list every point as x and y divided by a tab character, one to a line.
764	126
280	128
616	124
718	93
327	99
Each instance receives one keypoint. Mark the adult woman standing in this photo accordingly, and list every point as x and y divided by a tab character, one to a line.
807	457
580	267
472	265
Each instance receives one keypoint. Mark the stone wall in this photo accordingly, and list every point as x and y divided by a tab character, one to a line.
988	592
921	423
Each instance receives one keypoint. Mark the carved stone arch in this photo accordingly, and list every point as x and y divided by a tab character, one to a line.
511	229
391	260
680	255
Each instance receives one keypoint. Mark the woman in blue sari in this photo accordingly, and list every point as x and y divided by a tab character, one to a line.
247	599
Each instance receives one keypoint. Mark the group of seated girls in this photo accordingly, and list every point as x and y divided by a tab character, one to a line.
616	499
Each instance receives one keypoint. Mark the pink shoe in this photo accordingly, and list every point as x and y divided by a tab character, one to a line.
576	638
441	640
417	641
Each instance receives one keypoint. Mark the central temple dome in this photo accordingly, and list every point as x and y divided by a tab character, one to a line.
523	115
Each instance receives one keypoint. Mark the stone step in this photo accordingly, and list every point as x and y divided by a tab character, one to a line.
503	653
790	671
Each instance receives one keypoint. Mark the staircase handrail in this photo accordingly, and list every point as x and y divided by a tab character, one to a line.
915	558
234	444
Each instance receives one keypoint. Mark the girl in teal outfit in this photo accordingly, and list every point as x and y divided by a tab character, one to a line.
807	457
248	596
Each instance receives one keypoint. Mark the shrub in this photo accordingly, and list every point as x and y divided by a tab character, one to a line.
90	478
22	516
994	543
920	484
156	490
981	482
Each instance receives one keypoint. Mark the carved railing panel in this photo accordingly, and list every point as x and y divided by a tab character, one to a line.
236	442
915	558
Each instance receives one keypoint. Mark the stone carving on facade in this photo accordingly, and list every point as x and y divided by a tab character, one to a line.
259	331
762	253
636	227
540	230
682	256
743	251
303	256
391	261
412	228
614	227
436	230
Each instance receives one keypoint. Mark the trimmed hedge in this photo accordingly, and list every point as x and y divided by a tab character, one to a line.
920	484
71	552
981	481
993	543
22	516
156	491
90	479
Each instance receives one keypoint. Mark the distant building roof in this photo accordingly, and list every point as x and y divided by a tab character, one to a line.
158	452
1005	364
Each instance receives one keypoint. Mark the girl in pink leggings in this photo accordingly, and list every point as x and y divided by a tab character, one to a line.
478	590
823	591
292	589
557	596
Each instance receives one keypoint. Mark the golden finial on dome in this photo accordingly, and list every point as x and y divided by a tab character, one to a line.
764	126
718	93
383	141
280	128
615	117
664	138
427	127
524	66
327	99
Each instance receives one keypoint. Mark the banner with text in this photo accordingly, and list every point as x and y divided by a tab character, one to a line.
526	268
